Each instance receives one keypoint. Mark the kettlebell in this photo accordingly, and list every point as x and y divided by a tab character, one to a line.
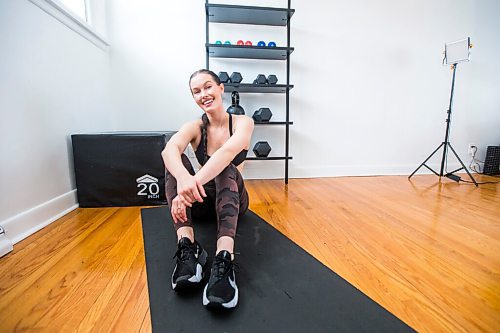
235	107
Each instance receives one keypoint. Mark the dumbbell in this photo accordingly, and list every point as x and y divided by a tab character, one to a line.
262	115
236	77
271	44
218	42
227	42
223	77
240	42
261	149
272	79
248	43
261	43
261	79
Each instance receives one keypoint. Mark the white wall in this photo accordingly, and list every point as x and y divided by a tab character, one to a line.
370	92
53	83
384	93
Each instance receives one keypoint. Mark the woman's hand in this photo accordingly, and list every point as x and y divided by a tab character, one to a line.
190	189
178	210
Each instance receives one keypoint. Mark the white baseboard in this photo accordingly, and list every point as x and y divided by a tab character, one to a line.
22	225
275	170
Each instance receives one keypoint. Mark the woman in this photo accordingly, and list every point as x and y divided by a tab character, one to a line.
220	141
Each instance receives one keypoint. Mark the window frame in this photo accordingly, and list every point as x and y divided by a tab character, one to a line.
61	13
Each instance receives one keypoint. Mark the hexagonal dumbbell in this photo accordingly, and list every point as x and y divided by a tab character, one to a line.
261	79
261	149
236	77
272	79
262	115
223	77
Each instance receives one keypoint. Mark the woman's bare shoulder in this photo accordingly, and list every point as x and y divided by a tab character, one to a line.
189	132
242	121
191	126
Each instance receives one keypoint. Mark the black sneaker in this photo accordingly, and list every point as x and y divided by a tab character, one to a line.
188	270
221	290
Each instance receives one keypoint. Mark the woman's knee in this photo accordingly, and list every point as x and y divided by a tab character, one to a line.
230	170
227	177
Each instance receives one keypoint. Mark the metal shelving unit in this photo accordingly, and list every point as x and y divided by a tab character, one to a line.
272	122
249	14
248	52
235	14
257	88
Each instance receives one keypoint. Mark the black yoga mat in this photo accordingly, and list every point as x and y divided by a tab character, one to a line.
281	287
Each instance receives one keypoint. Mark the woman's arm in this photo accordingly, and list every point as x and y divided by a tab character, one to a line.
224	155
188	188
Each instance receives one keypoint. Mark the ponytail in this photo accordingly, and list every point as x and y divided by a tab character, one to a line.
204	126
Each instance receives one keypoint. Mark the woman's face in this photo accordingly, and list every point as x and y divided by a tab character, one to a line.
206	92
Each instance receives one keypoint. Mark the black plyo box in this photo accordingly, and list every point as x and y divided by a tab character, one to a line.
120	169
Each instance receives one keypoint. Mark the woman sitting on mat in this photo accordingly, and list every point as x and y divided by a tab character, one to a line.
220	141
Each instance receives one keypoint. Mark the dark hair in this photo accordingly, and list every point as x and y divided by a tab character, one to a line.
204	117
204	71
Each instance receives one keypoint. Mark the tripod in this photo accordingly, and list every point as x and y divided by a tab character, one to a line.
445	144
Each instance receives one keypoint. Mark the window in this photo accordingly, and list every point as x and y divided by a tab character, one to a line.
75	14
78	7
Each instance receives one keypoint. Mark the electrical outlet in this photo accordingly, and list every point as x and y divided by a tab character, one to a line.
472	149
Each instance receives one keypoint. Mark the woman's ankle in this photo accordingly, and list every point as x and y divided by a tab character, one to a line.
187	232
225	243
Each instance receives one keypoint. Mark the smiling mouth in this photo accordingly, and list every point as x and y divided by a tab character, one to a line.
208	102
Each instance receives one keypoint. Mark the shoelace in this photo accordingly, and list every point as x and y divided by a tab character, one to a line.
183	253
221	266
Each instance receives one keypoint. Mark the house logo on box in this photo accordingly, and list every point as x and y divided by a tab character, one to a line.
148	185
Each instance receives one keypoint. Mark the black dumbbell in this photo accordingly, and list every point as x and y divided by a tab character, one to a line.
261	79
261	149
236	77
223	77
262	115
272	79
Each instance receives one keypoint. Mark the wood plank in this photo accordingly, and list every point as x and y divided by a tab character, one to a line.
429	252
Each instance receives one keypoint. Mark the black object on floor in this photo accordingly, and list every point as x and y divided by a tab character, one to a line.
120	168
282	288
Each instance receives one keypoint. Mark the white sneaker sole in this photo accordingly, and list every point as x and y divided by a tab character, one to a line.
199	271
228	305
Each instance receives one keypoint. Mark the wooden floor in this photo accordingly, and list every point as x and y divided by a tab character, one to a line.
428	252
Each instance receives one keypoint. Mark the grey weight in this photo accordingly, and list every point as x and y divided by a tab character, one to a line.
223	77
262	115
236	77
261	149
272	79
261	79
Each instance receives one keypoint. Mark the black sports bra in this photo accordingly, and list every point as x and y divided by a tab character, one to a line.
238	159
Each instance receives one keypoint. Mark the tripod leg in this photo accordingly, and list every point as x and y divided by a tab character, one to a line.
423	163
466	170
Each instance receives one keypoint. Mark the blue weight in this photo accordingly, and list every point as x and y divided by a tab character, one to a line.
261	43
271	44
